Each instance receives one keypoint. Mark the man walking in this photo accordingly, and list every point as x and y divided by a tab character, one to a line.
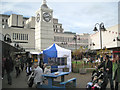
22	63
9	67
38	72
17	65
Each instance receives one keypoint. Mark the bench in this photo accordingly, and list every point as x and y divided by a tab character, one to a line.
64	83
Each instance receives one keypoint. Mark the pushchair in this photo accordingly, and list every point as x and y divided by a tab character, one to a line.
31	80
98	80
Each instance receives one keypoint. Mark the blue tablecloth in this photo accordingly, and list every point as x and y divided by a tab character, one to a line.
52	75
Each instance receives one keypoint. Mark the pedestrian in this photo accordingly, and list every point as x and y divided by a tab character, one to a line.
22	63
9	67
17	67
28	70
107	65
42	66
116	71
3	66
38	72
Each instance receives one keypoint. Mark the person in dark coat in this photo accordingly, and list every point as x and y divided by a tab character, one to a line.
3	66
17	67
22	62
9	67
116	71
107	65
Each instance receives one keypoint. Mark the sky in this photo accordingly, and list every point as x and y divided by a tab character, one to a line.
75	15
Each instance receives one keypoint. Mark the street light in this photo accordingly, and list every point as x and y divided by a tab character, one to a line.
75	38
101	28
117	39
92	44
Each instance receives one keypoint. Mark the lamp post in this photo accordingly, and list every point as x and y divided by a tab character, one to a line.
75	38
116	39
101	28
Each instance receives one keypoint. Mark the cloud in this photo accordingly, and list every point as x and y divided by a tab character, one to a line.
83	16
61	0
75	16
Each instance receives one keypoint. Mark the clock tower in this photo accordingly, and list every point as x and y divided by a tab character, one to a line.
44	27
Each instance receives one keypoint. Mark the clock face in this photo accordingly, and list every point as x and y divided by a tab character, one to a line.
47	17
38	17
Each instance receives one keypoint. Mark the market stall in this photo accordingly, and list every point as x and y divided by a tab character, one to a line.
57	57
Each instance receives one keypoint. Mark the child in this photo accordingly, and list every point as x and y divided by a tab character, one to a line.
47	70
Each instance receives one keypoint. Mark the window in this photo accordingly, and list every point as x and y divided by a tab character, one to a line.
56	26
60	26
19	36
27	36
23	36
2	20
68	39
6	20
13	36
54	38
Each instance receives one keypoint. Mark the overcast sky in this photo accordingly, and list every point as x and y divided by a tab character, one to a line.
75	15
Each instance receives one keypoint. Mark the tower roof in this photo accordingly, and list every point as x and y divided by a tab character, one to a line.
44	5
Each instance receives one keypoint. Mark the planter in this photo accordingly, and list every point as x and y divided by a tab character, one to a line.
75	70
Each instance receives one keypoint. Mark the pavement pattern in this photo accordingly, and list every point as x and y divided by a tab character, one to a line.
21	80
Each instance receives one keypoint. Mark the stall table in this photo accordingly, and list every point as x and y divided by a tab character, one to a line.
50	77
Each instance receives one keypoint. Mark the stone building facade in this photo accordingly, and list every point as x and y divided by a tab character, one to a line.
39	32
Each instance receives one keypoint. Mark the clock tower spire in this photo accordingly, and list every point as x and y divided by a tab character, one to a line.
44	34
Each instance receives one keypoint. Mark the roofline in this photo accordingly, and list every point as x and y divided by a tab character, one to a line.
11	14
